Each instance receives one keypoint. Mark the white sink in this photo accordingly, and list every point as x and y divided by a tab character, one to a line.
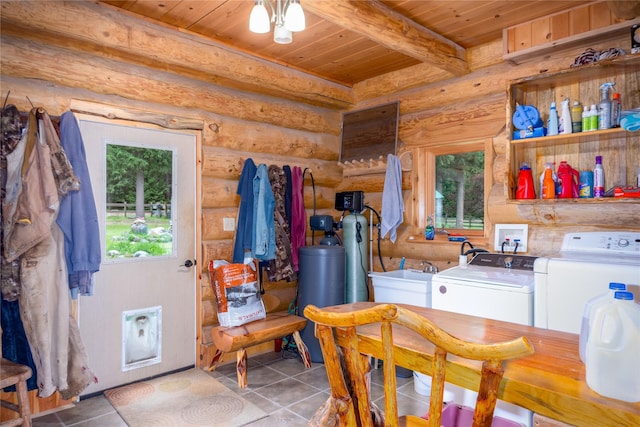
410	274
403	287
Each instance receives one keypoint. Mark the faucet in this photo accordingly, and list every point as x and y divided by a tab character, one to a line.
429	267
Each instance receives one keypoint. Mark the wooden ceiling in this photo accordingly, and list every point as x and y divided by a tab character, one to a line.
347	42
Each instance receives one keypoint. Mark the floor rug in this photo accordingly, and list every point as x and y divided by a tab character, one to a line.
186	399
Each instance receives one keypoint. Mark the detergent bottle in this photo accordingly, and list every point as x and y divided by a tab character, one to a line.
552	123
525	188
569	181
548	187
564	126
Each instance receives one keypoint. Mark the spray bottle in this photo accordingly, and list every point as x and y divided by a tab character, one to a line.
604	106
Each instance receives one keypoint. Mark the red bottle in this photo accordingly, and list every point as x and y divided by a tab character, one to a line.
525	188
570	181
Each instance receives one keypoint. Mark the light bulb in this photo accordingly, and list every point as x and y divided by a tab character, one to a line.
294	17
259	19
281	35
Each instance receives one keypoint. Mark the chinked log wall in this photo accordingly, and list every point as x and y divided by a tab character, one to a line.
88	61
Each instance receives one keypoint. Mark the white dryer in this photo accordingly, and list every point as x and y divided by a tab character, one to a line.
588	262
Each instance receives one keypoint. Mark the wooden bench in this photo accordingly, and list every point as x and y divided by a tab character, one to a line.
238	338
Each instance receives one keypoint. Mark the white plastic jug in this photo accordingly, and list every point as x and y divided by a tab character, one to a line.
591	305
613	348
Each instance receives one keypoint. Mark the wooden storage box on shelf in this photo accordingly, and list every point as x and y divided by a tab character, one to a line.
620	150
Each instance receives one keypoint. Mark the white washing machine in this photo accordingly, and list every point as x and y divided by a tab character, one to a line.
493	286
588	261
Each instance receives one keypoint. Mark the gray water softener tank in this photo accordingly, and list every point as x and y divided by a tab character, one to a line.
321	282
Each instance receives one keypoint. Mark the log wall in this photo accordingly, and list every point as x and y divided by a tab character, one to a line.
53	68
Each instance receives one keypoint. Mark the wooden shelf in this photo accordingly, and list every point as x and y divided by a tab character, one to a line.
594	201
620	149
570	138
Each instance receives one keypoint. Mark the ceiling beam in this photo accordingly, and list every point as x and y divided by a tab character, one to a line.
387	27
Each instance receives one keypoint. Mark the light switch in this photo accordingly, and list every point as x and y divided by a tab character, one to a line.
228	224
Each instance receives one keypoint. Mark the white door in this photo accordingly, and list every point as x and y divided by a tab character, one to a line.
140	321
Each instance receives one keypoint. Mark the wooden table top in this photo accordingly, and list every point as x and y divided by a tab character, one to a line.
552	382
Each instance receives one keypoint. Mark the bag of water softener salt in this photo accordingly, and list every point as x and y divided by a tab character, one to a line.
613	347
237	291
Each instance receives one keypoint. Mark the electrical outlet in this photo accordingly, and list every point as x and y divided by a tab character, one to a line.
510	235
228	224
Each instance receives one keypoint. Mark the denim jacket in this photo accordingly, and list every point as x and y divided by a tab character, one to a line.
264	240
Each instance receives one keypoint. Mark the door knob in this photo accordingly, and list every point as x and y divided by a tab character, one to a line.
188	263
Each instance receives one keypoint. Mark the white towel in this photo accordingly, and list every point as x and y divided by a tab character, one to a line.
392	201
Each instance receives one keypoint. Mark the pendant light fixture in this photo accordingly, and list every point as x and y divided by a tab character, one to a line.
287	15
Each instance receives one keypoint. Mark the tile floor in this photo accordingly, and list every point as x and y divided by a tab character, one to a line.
283	388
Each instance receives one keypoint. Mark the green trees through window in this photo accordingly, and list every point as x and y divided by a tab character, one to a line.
139	193
459	191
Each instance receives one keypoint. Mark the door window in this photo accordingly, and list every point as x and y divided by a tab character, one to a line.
139	199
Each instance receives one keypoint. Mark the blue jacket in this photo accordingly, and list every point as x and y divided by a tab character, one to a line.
244	231
78	218
264	238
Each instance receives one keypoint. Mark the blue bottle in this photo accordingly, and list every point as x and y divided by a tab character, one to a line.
429	230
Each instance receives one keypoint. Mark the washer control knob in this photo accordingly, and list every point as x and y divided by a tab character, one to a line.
623	243
442	289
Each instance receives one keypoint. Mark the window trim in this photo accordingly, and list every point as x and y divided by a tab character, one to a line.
424	182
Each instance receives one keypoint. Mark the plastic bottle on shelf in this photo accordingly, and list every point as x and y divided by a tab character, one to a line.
586	184
613	347
616	110
593	118
548	165
586	123
598	178
565	126
429	230
548	188
592	305
552	123
604	107
525	189
576	117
